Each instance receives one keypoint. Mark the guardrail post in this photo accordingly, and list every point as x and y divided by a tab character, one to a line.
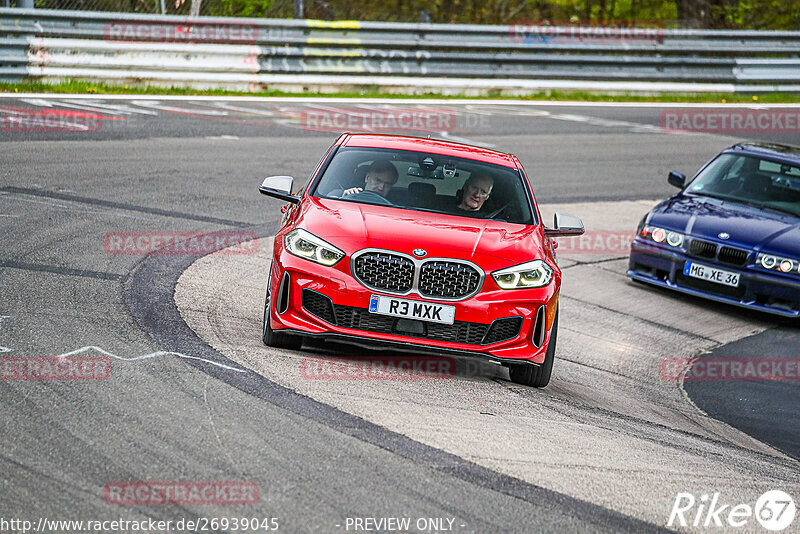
25	4
298	9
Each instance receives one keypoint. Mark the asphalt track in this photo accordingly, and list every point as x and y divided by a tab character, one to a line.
193	395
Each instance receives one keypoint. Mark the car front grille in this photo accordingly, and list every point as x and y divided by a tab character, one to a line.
447	279
355	318
384	271
733	256
702	249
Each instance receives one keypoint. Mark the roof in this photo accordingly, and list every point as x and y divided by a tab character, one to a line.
433	146
785	152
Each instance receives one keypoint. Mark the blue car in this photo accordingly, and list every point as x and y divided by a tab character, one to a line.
732	234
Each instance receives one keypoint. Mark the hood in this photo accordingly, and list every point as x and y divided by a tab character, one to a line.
352	227
748	226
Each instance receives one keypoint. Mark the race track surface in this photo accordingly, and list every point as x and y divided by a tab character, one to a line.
194	397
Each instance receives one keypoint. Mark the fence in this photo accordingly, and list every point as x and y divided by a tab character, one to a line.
306	54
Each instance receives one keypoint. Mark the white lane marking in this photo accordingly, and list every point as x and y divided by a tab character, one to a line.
110	109
86	107
156	354
608	123
324	100
464	140
254	111
2	348
41	102
194	111
229	137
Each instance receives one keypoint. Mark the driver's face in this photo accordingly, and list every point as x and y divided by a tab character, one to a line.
378	182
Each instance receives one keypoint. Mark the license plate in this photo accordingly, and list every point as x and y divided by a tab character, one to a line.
412	309
712	274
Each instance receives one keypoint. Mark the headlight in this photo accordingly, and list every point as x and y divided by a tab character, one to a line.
660	235
535	273
777	263
307	245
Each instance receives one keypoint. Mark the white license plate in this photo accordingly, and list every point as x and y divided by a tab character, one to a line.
712	274
412	309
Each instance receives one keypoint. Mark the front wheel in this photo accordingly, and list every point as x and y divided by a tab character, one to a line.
537	376
270	337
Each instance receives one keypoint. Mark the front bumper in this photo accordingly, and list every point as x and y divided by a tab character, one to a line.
760	291
349	299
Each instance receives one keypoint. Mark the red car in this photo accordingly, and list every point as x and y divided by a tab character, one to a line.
419	244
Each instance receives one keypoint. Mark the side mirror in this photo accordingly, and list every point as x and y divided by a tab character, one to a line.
279	187
565	225
677	179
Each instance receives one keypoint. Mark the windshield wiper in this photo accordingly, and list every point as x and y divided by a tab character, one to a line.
709	195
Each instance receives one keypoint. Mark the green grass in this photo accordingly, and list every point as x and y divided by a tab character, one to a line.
79	87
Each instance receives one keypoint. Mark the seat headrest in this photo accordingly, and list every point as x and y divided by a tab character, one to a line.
756	183
421	189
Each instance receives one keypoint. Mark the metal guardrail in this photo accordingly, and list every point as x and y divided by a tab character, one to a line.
119	47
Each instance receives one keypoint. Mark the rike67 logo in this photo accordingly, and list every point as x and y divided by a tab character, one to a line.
774	510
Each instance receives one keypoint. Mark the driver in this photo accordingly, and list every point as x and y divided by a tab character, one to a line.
380	178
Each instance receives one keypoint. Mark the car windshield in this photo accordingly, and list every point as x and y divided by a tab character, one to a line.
426	182
750	180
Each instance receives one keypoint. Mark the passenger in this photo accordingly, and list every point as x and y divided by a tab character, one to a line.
475	191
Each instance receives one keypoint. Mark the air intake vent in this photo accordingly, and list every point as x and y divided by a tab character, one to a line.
283	293
319	305
502	329
539	328
734	256
702	249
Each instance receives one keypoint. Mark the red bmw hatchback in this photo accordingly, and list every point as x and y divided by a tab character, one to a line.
419	244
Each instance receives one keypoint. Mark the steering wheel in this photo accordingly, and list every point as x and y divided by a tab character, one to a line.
371	197
498	211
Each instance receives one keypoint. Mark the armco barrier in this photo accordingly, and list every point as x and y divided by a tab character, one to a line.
302	54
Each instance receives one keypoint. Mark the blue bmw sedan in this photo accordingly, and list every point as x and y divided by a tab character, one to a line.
732	234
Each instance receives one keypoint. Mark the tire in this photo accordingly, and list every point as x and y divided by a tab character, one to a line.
270	337
537	376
